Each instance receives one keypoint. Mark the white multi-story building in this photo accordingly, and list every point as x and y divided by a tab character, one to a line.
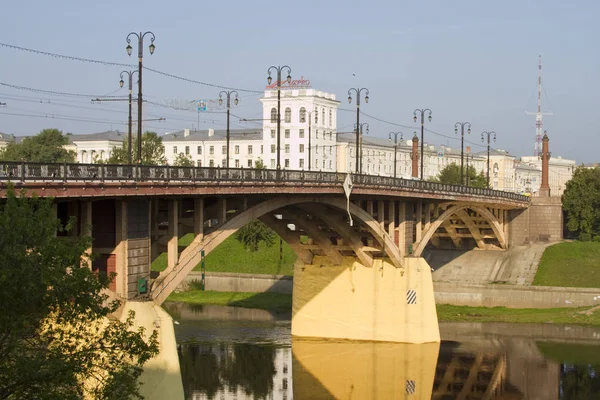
94	147
302	110
528	178
560	171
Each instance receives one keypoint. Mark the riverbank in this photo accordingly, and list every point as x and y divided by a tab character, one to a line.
280	302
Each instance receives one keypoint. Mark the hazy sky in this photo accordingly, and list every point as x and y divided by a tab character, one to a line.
469	60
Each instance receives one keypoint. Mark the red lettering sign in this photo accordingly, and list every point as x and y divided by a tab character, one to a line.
294	84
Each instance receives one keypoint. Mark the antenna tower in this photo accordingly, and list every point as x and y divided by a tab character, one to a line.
537	149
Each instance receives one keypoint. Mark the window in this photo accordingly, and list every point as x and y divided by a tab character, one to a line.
287	133
301	133
323	116
316	112
302	115
330	164
288	115
211	150
237	149
272	133
316	133
249	149
330	118
273	148
287	149
187	150
273	115
174	149
211	163
330	135
249	163
330	150
224	149
199	163
323	164
287	163
237	163
302	163
317	149
301	149
272	163
261	149
199	150
224	162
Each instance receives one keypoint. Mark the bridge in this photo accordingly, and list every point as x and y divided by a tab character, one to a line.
359	238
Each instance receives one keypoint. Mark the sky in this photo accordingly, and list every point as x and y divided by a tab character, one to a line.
466	60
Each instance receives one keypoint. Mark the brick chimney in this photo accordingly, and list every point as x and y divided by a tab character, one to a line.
545	187
415	156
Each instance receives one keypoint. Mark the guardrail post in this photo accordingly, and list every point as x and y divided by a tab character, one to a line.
64	172
168	173
22	170
101	172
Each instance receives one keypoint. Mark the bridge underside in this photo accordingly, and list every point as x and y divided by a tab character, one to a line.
359	280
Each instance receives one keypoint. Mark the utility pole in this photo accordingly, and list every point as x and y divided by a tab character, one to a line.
235	101
358	133
395	135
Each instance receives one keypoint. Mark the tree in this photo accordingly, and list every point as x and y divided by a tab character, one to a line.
47	147
55	338
153	151
251	234
581	201
259	164
183	160
451	175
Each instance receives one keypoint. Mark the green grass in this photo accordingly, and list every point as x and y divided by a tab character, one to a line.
570	264
446	313
265	301
572	353
517	315
230	256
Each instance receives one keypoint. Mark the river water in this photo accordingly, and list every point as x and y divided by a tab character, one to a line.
234	353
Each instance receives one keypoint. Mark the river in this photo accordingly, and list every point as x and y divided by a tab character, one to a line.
234	353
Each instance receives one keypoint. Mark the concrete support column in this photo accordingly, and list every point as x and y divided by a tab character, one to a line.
428	208
245	204
222	210
154	235
173	234
121	248
381	214
545	187
392	220
401	242
370	207
138	244
409	232
199	218
419	223
86	225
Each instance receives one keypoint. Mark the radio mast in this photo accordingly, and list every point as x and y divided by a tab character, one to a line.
537	149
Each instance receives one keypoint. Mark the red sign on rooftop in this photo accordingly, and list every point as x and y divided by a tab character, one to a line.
293	84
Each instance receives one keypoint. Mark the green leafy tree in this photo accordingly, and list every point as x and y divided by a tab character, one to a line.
153	150
451	175
259	164
183	160
251	234
47	146
581	201
55	341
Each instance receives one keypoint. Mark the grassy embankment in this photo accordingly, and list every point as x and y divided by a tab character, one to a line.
230	256
570	264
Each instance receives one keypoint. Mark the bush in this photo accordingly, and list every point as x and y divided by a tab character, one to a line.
596	238
585	237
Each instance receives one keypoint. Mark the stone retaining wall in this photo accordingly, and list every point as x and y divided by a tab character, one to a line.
251	283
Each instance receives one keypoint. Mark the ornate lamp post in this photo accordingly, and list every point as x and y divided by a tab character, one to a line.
269	80
422	112
483	135
140	37
358	90
462	145
359	151
129	122
235	102
395	134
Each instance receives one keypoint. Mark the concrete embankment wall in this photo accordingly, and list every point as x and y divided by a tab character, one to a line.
512	296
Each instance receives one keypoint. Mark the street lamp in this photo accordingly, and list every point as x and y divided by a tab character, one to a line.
359	151
121	83
358	90
489	134
469	155
418	110
140	37
462	145
235	102
395	134
269	80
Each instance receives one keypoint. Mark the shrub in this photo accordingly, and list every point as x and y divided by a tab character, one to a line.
596	238
585	237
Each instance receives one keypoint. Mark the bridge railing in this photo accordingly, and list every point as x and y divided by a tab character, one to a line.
48	172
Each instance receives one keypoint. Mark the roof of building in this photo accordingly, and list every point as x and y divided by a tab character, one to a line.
6	137
525	166
217	135
107	135
495	152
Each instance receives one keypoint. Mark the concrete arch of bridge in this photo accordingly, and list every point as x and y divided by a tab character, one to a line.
458	211
190	257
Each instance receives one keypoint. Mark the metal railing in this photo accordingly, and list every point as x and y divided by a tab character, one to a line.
47	172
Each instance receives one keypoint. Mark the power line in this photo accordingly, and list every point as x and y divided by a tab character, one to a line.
55	93
115	64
